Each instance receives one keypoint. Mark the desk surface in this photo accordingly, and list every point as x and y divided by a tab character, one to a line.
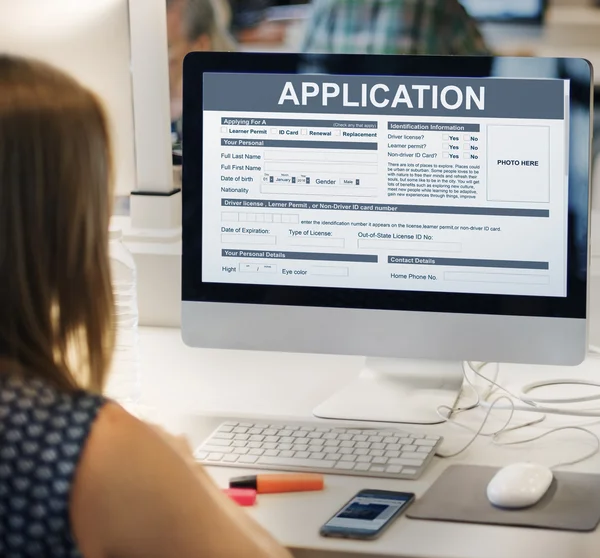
182	384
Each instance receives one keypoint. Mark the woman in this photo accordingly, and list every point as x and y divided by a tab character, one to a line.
78	475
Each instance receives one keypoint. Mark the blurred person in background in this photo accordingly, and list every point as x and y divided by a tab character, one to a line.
392	27
250	25
193	25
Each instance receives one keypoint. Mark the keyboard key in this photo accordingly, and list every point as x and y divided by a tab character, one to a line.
347	444
345	437
406	441
232	458
333	456
345	451
417	436
286	453
249	459
357	438
214	457
256	452
317	455
316	442
323	429
228	424
392	454
302	454
301	447
254	445
413	455
425	443
270	432
305	463
242	437
241	451
330	436
285	432
271	453
272	438
246	424
364	459
269	445
348	457
256	438
405	462
299	434
378	446
308	428
223	436
345	465
379	460
395	469
284	447
217	442
332	443
411	472
362	467
391	440
362	445
315	435
361	451
287	439
409	448
376	453
377	469
216	449
255	431
240	430
239	444
374	439
393	447
201	455
424	449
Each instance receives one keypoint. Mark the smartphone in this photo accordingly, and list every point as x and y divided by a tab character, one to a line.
367	514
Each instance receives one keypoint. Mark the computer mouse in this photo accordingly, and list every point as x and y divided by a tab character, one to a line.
519	485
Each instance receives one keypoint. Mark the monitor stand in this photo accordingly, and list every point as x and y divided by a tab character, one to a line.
396	390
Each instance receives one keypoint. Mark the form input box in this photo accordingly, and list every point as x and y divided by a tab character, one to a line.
408	245
503	278
324	168
318	241
257	268
330	271
256	217
332	192
254	239
319	156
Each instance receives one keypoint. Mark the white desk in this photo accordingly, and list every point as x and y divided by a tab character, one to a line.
182	383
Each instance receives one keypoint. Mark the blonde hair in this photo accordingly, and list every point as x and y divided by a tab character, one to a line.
55	190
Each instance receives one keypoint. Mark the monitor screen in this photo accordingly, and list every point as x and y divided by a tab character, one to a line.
406	183
506	10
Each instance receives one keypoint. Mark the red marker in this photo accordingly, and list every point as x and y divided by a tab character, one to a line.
271	484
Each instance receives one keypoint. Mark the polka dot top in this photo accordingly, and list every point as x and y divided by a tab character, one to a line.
42	434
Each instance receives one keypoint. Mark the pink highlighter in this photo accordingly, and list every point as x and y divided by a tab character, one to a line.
241	496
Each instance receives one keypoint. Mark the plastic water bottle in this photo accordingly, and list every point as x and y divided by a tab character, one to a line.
124	382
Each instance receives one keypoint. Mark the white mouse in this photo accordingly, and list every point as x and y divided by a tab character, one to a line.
519	485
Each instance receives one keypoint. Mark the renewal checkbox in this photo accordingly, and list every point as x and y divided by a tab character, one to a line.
304	131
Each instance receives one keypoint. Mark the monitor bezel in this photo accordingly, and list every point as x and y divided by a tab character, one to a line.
194	289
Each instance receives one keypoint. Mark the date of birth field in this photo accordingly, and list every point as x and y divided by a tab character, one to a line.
259	217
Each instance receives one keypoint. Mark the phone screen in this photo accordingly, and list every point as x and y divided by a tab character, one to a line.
367	513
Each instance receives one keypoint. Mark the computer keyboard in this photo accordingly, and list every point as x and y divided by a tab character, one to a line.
382	452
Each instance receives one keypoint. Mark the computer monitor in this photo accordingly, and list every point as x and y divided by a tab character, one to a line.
419	211
522	11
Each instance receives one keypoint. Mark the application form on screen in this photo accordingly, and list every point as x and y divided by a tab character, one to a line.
390	183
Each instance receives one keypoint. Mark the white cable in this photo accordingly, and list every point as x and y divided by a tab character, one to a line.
594	349
505	428
554	431
478	432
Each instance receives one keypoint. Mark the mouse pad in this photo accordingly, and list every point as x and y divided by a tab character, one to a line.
571	504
